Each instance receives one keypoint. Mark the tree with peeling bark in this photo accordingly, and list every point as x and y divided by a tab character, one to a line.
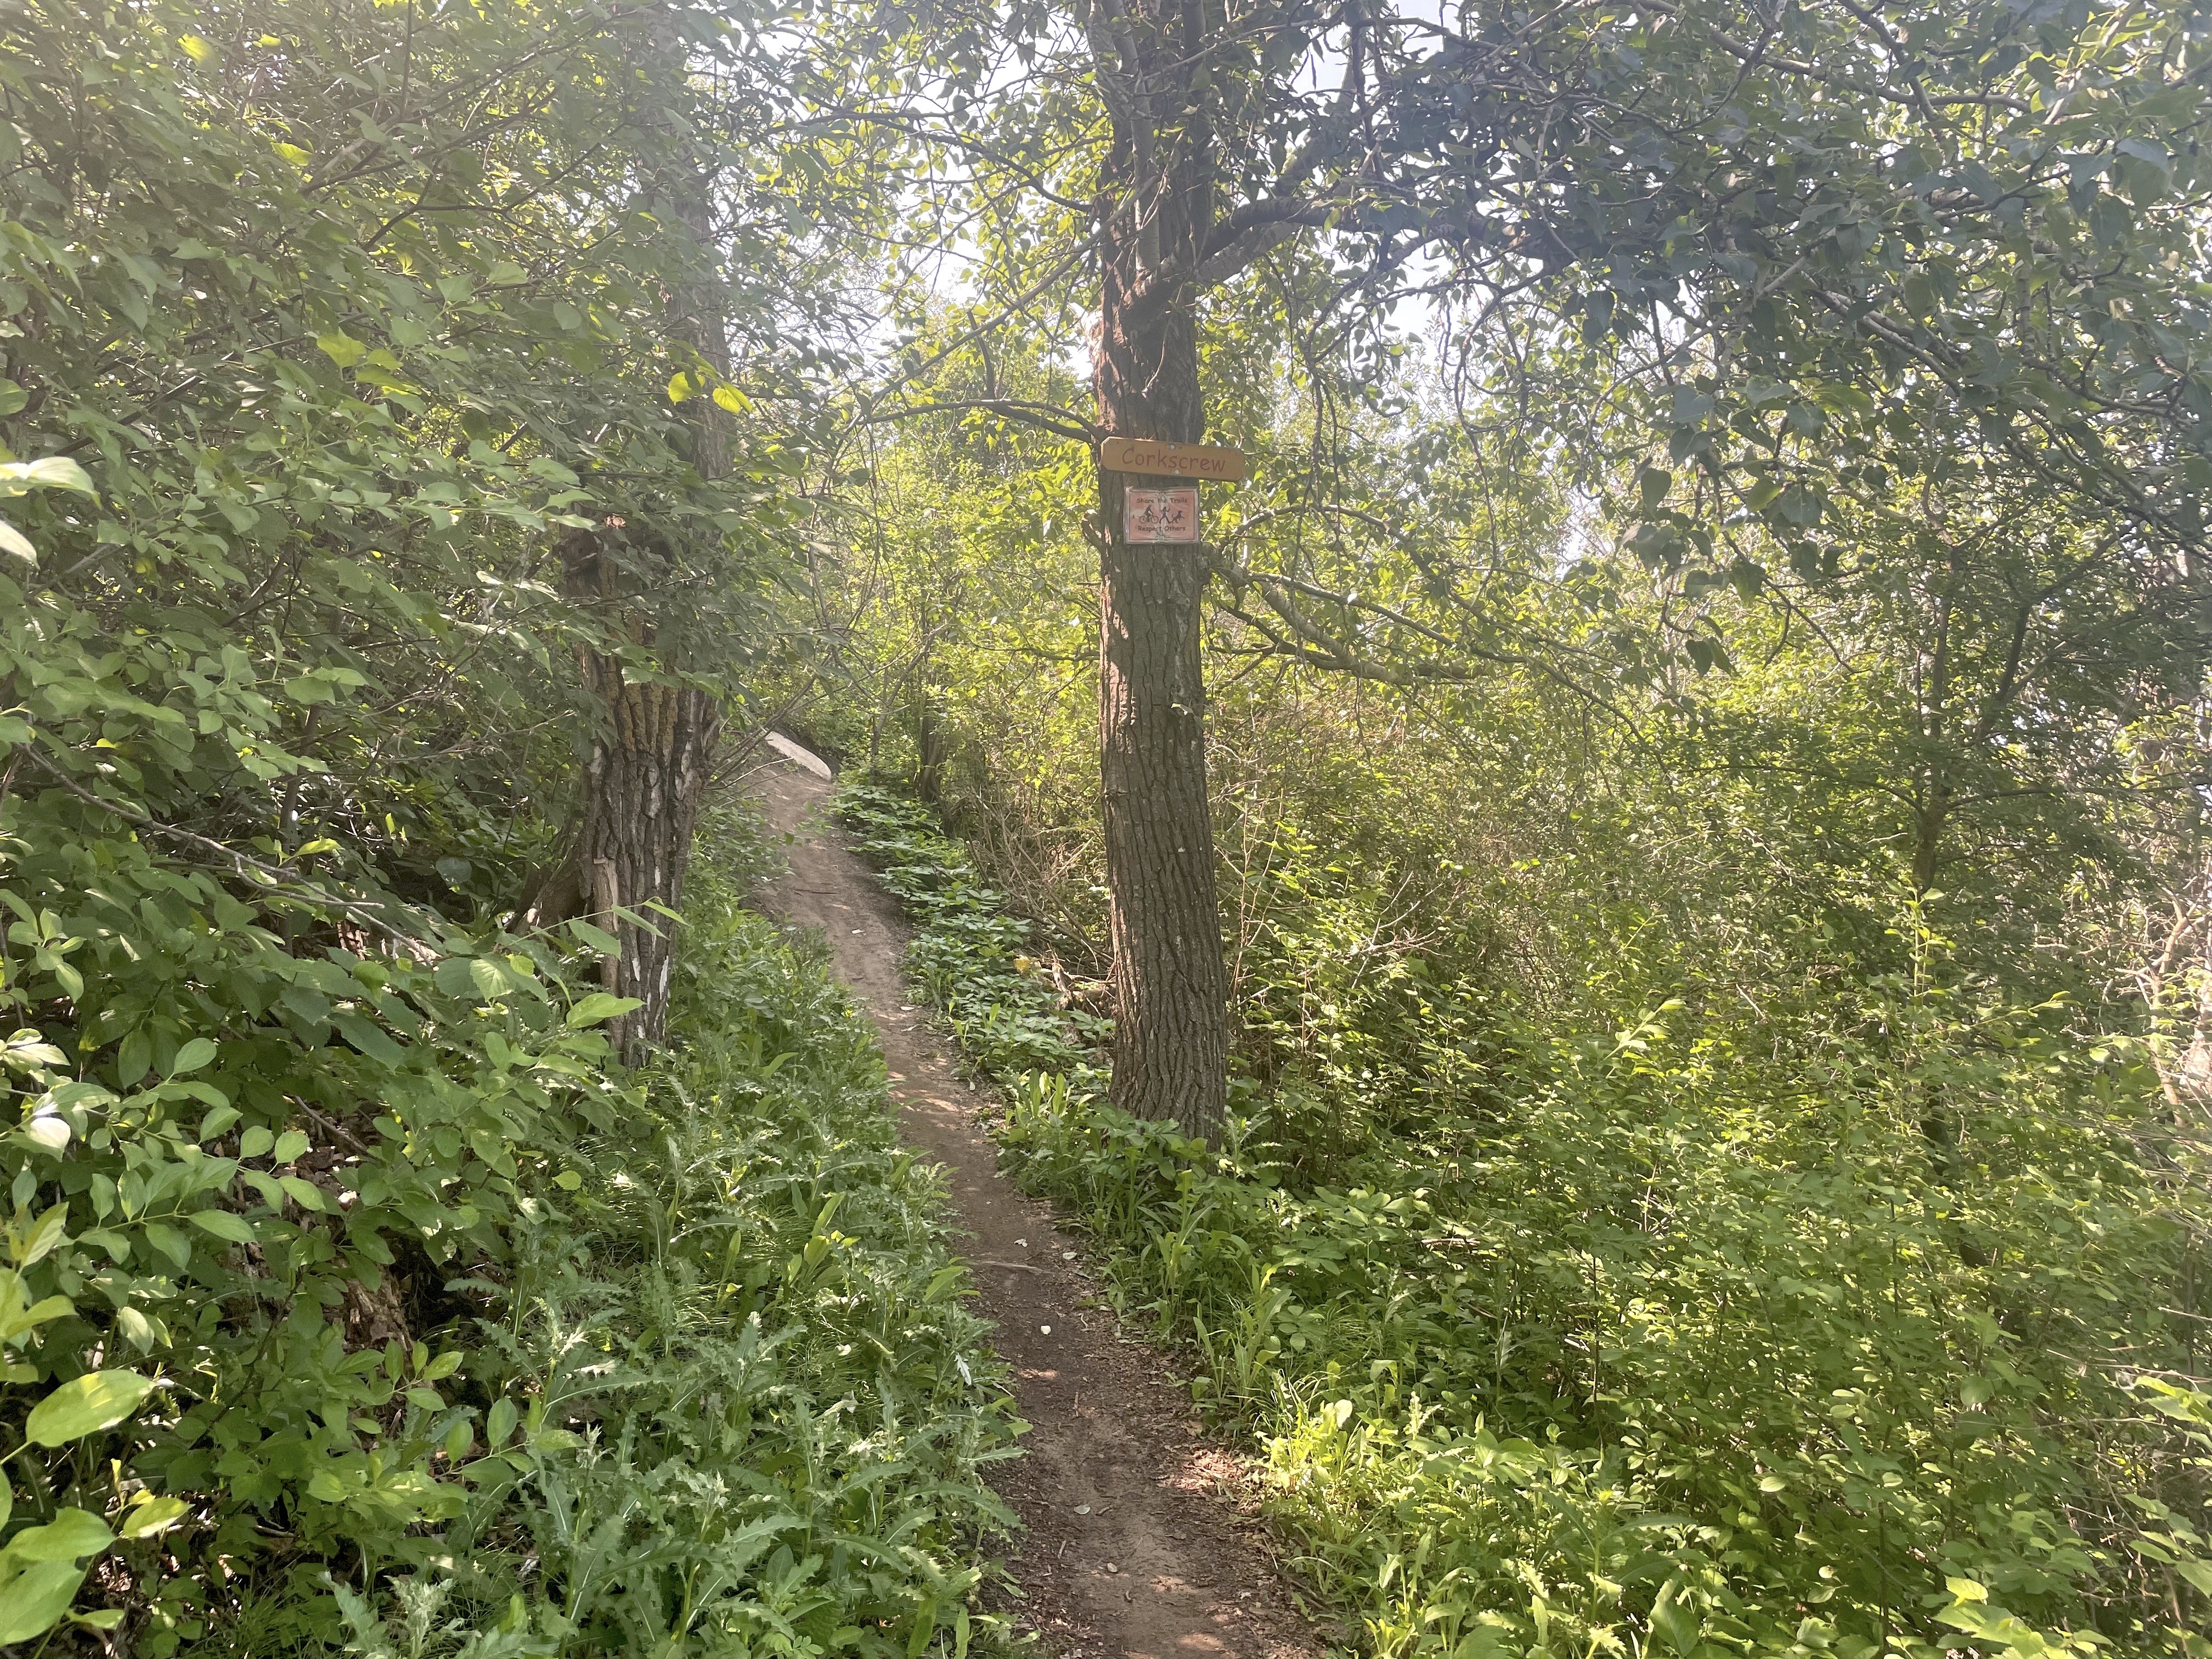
1782	235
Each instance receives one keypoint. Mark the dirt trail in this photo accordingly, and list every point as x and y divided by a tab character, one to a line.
1134	1543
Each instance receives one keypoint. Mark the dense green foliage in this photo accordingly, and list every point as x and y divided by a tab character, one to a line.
1707	737
344	1263
1684	1329
674	1365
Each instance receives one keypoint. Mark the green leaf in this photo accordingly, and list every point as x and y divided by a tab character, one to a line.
369	1039
54	472
599	1006
500	1423
233	1228
134	1057
33	1602
170	1242
1675	1620
41	1313
71	1536
289	1146
152	1518
13	540
341	349
49	1232
255	1142
85	1406
600	941
193	1055
28	1048
489	979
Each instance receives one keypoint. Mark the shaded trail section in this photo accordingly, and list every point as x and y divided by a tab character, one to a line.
1133	1546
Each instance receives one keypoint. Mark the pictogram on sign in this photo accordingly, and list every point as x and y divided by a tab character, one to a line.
1160	515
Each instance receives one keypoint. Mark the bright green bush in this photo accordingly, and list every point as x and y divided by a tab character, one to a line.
249	1187
759	1407
1846	1329
395	1279
968	956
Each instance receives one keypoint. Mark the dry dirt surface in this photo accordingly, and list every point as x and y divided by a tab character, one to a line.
1136	1542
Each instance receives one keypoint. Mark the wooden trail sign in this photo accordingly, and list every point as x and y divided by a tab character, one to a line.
1171	460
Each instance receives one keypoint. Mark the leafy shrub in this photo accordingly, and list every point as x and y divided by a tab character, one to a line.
1842	1330
243	1174
968	956
761	1408
395	1275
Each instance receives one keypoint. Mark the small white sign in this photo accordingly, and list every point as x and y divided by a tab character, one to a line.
1160	515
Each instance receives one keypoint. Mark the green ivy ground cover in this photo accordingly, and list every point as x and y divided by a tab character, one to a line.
384	1313
1678	1346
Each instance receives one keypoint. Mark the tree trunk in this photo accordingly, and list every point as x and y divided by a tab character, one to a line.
642	790
931	751
1170	984
653	752
1931	813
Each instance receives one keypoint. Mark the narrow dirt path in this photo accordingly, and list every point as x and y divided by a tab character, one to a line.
1134	1544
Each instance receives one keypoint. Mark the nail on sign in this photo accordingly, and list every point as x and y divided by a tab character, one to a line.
1176	460
1160	515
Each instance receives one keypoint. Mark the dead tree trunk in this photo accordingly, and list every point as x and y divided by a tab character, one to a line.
1170	984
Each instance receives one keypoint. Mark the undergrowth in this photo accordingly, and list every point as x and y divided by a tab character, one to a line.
453	1339
1684	1335
970	957
760	1406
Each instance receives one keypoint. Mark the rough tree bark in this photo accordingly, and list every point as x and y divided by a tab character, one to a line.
1170	983
653	749
651	760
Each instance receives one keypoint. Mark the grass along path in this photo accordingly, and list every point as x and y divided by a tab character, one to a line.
1134	1542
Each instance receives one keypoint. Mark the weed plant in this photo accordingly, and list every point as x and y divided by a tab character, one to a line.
455	1338
969	956
1862	1327
763	1406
